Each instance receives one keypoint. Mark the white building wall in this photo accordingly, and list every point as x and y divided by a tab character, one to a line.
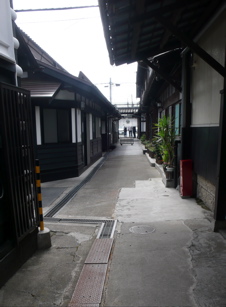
206	82
98	127
127	122
8	43
73	125
38	125
79	126
91	126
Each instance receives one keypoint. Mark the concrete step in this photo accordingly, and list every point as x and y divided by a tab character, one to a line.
151	192
148	183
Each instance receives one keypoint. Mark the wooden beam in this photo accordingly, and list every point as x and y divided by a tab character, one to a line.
182	4
176	16
137	27
163	75
192	45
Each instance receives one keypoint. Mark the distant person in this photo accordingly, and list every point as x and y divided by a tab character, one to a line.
134	131
130	131
125	131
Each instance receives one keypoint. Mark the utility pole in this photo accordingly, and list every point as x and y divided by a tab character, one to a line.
110	88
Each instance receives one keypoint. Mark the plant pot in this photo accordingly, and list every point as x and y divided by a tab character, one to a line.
151	154
159	161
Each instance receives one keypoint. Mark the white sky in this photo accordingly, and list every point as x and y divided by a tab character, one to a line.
75	39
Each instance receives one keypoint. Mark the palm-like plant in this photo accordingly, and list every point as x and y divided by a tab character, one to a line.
165	137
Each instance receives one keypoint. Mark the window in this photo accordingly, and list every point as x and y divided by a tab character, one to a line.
56	126
177	123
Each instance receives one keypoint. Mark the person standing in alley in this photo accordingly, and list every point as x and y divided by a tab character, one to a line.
134	131
130	131
125	131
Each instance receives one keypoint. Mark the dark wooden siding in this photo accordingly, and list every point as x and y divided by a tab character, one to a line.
95	149
60	161
204	151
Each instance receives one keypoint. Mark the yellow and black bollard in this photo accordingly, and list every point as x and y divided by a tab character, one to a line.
39	194
44	238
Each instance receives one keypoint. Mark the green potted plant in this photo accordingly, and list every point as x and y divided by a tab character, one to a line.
143	138
151	150
165	137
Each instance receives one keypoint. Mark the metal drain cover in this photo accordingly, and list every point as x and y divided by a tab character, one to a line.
142	229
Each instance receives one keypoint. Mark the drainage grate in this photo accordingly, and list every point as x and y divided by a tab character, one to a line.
99	252
73	192
72	220
106	231
90	285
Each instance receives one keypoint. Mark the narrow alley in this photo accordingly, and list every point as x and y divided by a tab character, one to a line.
164	251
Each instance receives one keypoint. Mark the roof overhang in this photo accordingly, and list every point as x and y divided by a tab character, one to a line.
40	88
137	30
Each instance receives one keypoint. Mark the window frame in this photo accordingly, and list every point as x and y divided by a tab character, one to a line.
58	123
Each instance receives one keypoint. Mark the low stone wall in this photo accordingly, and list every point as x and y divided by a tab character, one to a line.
169	183
206	192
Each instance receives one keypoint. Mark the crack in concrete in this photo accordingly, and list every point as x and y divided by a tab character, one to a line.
207	261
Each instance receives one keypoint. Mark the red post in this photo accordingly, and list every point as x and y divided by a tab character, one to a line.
186	178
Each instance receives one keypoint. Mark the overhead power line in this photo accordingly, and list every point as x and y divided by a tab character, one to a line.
57	9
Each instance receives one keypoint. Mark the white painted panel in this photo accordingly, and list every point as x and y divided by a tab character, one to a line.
110	125
98	126
143	126
73	125
206	82
91	126
65	95
38	125
79	128
103	127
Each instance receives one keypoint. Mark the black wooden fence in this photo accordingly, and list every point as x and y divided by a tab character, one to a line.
17	144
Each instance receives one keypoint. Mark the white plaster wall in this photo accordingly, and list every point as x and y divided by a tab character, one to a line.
143	126
206	82
91	126
98	127
123	122
79	129
65	95
38	125
73	125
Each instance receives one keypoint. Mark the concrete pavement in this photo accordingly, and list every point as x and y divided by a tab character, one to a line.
164	254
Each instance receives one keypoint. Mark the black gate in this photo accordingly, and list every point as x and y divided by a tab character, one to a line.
18	201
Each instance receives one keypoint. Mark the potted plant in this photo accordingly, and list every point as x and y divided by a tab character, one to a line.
158	152
151	150
143	138
165	137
